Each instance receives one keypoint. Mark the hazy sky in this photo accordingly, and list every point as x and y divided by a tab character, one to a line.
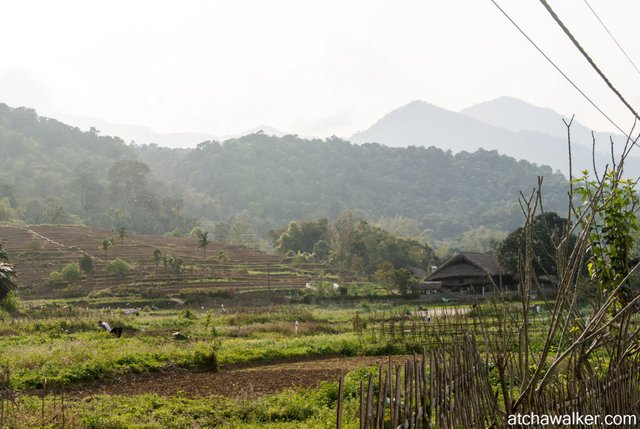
311	67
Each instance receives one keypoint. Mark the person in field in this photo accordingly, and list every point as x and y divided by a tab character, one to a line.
116	331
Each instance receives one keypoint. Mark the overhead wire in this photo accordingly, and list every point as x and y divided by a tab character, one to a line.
559	70
588	58
612	37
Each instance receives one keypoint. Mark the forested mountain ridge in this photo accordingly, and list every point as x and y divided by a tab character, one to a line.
53	173
271	180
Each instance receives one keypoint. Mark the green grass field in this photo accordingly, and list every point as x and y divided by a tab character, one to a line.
57	346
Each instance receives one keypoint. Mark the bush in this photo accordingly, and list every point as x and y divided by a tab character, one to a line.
55	277
117	266
86	264
10	303
187	314
206	359
71	272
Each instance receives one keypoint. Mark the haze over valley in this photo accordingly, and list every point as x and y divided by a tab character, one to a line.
441	184
319	214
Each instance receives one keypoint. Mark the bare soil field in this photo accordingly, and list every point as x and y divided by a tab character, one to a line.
235	382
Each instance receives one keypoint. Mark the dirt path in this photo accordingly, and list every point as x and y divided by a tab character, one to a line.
241	382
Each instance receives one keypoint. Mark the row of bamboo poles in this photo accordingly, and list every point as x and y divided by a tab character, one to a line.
423	330
450	387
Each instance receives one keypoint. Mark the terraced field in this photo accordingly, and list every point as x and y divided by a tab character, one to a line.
38	250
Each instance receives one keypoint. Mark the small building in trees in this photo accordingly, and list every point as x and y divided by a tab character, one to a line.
421	285
470	272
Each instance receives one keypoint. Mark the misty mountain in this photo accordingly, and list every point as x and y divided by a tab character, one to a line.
510	126
142	135
137	133
266	129
516	115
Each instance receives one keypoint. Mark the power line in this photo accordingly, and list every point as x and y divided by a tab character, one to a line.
559	70
611	35
584	53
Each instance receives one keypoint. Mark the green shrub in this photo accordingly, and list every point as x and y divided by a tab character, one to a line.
71	272
187	314
55	277
10	303
117	267
206	358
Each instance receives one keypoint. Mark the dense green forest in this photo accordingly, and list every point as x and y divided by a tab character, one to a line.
54	173
270	180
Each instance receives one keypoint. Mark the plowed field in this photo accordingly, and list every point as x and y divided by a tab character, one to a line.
233	382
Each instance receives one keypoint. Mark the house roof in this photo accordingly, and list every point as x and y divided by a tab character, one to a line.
467	264
419	272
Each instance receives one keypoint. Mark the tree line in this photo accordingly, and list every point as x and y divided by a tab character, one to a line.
54	173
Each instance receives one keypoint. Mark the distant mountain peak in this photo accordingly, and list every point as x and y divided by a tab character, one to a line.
420	123
138	133
516	115
266	129
506	124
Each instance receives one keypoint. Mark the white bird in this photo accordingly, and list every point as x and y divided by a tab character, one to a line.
296	327
445	300
179	336
224	310
105	326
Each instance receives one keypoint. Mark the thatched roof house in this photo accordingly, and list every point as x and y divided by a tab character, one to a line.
469	271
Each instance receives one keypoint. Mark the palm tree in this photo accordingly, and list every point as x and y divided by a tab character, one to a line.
106	244
203	241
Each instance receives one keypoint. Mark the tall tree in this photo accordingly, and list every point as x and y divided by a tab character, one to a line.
127	179
547	230
86	264
203	242
300	236
157	258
